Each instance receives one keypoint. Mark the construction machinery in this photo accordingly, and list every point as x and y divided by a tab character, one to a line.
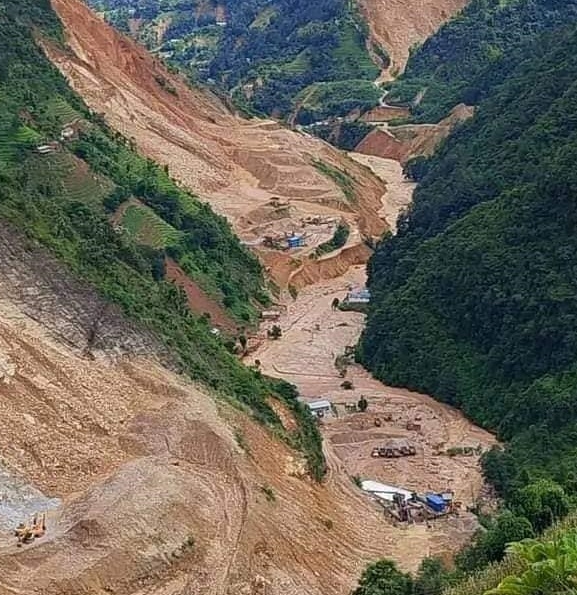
27	533
394	450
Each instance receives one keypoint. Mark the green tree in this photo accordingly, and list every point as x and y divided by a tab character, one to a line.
550	568
243	341
383	578
542	502
362	404
432	577
490	544
275	332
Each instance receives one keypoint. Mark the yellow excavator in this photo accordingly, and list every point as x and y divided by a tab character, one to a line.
27	533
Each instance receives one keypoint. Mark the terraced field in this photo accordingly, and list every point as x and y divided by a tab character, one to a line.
62	111
147	227
83	185
12	140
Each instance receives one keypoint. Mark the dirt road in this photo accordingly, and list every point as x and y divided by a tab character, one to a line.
314	335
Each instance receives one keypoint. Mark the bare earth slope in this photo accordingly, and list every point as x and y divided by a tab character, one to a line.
403	142
399	24
146	486
237	165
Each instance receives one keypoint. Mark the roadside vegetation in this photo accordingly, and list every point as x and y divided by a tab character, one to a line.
342	179
338	240
126	263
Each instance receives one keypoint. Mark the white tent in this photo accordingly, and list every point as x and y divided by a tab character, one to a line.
384	491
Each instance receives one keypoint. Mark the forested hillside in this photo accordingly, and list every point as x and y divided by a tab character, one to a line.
80	190
475	299
467	57
274	57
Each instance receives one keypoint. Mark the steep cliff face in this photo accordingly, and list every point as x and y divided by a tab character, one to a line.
237	165
86	322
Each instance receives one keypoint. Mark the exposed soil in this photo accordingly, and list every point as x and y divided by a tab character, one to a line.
198	300
313	336
161	490
400	143
153	486
397	25
238	165
399	190
385	113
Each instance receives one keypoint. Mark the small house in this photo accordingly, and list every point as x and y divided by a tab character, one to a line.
363	296
67	133
385	492
48	148
295	241
435	502
320	408
270	315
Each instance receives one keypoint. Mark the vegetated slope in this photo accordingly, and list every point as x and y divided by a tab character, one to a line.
399	25
527	565
97	171
475	298
467	57
236	164
265	53
155	487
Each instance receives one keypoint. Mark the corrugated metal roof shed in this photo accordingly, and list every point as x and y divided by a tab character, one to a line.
316	405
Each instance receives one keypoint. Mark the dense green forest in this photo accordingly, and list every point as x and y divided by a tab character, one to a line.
467	57
63	198
543	566
276	57
475	299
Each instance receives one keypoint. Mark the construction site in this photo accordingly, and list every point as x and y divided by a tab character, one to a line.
119	475
425	453
282	229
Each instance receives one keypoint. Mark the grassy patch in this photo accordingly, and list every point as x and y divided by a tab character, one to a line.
342	179
268	492
338	240
264	18
320	101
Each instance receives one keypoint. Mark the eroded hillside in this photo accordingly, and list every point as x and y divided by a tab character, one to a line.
152	486
397	25
238	165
